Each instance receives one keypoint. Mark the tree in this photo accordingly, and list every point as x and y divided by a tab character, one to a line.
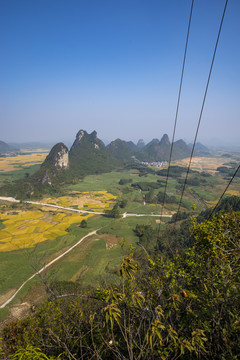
114	212
83	224
123	203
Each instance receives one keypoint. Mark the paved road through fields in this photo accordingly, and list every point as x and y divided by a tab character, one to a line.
11	199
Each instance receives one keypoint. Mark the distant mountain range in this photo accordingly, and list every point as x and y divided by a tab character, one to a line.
6	148
200	149
89	155
122	150
32	145
155	150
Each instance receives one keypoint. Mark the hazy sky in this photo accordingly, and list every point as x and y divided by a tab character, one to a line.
114	66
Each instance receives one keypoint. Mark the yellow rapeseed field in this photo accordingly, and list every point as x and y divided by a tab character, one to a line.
94	200
28	228
202	163
233	192
25	228
11	163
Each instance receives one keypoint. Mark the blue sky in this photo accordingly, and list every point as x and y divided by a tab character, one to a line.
114	66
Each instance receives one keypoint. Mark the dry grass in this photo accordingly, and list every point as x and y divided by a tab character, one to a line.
201	163
110	239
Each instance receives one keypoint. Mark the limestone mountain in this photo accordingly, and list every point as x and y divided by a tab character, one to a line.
6	148
132	146
159	150
155	150
180	150
122	150
58	157
88	155
140	144
54	164
200	149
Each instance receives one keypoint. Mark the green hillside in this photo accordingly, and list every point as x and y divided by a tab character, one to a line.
88	155
160	150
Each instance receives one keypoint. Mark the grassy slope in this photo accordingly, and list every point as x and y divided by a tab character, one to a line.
91	261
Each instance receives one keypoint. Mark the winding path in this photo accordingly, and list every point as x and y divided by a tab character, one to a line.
46	266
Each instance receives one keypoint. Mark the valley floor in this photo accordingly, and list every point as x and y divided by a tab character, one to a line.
47	234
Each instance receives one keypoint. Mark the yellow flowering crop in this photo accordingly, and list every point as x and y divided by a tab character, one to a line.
96	200
31	227
10	163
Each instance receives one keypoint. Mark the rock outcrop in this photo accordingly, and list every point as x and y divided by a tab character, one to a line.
53	166
58	157
82	138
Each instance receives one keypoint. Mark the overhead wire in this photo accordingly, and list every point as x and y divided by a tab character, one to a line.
176	115
201	112
220	199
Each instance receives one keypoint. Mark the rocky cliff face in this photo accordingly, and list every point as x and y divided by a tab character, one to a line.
62	158
56	161
58	157
84	139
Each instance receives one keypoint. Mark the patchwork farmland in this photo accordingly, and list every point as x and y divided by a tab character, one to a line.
26	228
32	236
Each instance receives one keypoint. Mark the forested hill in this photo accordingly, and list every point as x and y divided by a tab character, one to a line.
155	150
88	155
159	150
122	150
6	149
